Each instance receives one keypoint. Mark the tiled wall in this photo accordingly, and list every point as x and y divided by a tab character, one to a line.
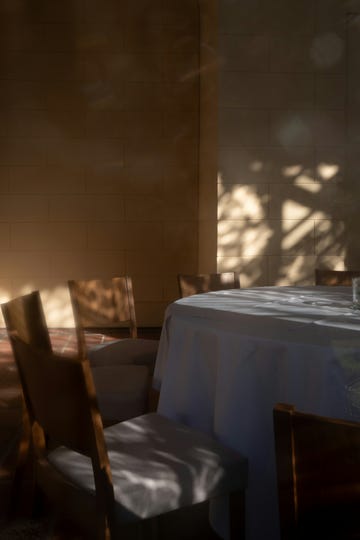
289	138
99	121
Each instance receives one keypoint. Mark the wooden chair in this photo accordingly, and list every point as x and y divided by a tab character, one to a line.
108	304
318	472
335	277
201	283
122	389
128	473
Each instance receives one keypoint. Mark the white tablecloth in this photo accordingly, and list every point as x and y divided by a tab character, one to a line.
226	358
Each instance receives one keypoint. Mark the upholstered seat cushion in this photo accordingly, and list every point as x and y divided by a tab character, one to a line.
148	455
122	391
125	351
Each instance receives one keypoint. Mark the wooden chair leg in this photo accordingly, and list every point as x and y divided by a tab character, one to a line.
23	489
149	529
237	515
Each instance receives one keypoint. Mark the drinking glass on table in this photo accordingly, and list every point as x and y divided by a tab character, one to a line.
356	292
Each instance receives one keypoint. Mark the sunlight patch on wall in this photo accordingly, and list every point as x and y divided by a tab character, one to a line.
327	171
292	270
57	307
294	232
242	202
4	296
314	187
300	211
243	238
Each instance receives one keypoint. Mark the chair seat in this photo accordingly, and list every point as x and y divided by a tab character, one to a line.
122	391
150	457
125	351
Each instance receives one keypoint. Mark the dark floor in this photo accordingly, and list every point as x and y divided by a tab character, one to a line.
190	524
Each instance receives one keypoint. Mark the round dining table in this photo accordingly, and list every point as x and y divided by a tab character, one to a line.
227	357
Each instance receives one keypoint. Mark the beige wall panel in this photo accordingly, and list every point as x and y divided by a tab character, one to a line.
34	236
5	290
4	179
266	90
132	67
106	235
354	126
243	127
295	202
23	94
86	264
109	208
143	235
115	124
171	289
244	17
82	36
160	262
24	264
253	270
237	201
330	238
295	270
179	67
46	180
66	152
24	151
150	313
147	289
99	116
56	124
24	208
179	236
330	164
149	209
4	236
185	206
339	201
244	52
330	15
330	91
331	261
265	237
70	95
71	208
308	127
289	18
318	52
125	180
243	238
177	126
261	165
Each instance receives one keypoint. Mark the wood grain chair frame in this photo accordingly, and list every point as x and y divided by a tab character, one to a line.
107	304
102	304
25	317
129	473
190	284
318	472
123	390
335	277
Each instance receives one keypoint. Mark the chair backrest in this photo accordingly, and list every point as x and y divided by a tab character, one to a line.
25	317
102	303
200	283
318	473
335	277
61	401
